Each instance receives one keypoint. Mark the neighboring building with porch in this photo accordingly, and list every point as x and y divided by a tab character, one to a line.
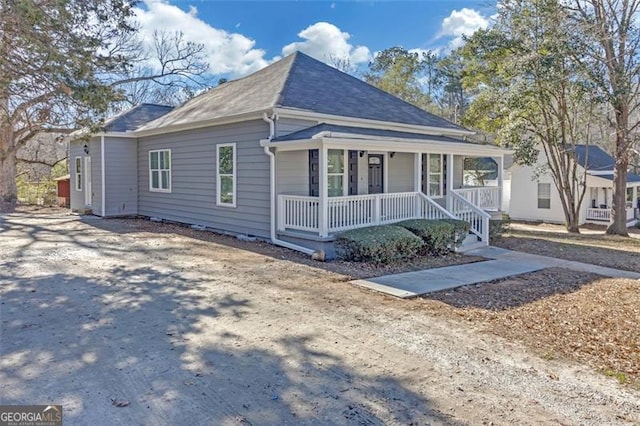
536	198
294	153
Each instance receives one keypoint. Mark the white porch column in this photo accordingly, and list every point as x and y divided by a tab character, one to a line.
323	214
417	176
449	180
500	180
417	183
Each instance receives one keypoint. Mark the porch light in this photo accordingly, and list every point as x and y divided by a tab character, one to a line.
362	153
392	154
86	148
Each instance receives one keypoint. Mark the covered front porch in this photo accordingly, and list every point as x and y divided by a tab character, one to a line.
335	182
600	201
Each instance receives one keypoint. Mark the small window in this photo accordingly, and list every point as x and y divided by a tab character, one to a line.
226	175
160	170
544	195
335	172
629	197
78	175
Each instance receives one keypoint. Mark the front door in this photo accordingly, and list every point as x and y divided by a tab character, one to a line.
376	173
87	181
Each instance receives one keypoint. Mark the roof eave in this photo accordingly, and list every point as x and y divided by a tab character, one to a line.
388	144
236	118
376	124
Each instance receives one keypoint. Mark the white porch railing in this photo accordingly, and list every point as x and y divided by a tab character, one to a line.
599	214
462	209
485	197
343	213
299	213
604	215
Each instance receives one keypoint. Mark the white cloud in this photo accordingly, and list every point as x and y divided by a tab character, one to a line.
461	23
231	53
325	41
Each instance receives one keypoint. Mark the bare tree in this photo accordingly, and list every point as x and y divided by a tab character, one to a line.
63	64
609	40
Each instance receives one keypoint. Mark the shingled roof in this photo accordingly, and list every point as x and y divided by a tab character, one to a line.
301	83
135	117
595	158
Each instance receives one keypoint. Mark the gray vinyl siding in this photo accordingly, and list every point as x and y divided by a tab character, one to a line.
96	176
121	176
193	178
77	197
401	169
292	172
284	126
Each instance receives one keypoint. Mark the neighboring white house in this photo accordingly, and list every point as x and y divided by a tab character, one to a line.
536	198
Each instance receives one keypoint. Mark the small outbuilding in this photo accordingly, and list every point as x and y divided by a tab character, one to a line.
64	190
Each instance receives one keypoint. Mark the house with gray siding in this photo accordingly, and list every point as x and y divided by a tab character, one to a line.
294	153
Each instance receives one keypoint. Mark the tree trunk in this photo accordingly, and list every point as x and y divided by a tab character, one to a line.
8	189
619	213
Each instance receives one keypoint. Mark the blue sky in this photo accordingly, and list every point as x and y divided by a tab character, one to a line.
243	36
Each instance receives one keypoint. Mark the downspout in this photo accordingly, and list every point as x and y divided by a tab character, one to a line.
103	189
272	180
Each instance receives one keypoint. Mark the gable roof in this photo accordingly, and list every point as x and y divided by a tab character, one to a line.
135	117
309	132
301	83
595	158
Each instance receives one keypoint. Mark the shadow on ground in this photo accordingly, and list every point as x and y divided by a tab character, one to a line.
172	345
513	292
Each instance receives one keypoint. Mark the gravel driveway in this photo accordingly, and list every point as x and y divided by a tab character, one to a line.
180	330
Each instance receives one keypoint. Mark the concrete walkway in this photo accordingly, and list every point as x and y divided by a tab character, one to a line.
504	263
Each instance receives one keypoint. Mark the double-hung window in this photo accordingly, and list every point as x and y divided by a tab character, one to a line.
435	175
226	174
544	195
160	170
335	172
78	174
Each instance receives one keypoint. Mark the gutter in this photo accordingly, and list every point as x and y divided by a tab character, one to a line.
103	189
272	170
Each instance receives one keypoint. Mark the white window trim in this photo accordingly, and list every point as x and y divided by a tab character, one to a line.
78	173
538	196
234	175
441	173
151	188
345	171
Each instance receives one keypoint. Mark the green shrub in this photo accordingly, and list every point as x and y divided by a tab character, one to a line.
377	244
497	227
438	235
460	230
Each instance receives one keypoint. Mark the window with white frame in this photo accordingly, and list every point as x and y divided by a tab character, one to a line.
160	170
78	174
544	195
434	175
629	197
336	173
226	174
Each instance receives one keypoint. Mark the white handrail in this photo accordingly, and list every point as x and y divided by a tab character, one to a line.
464	210
430	202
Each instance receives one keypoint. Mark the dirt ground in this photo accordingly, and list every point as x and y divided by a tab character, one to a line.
179	329
591	245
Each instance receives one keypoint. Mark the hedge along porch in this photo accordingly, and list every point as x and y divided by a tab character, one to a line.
334	178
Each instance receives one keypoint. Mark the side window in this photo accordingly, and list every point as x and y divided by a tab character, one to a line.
226	175
78	174
544	195
160	170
